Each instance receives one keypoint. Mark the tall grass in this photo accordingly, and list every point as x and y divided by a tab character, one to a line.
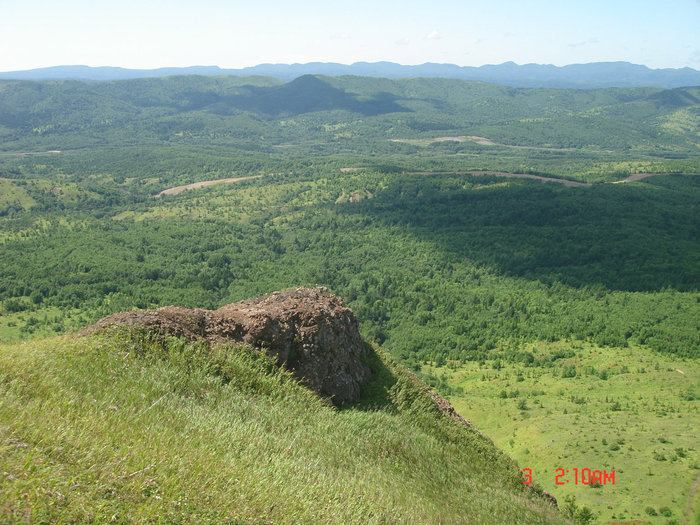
120	428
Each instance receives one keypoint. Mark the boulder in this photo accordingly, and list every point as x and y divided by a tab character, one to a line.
307	330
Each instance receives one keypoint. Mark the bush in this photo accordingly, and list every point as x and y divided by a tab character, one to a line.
584	515
15	305
651	511
658	456
569	371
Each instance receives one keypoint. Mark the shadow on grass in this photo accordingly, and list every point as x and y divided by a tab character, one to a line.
376	393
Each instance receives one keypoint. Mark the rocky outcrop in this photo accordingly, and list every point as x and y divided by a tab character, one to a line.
446	408
307	330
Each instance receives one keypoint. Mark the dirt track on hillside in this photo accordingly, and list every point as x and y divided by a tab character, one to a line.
194	185
565	182
636	176
28	153
483	141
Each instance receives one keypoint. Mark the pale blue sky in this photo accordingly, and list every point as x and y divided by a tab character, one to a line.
148	34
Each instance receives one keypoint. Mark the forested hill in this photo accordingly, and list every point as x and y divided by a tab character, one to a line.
340	113
585	76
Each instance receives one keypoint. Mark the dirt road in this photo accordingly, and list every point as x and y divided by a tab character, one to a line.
473	138
194	185
636	176
565	182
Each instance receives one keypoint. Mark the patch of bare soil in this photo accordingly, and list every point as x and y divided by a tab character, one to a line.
359	195
636	176
28	153
484	141
450	139
179	189
478	140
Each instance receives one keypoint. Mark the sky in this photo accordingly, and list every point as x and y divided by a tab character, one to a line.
148	34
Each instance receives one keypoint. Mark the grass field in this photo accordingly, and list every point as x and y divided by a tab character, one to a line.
582	406
123	430
39	322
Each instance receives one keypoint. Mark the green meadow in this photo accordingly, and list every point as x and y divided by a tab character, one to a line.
577	405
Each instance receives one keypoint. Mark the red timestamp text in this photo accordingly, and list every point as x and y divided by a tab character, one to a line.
576	476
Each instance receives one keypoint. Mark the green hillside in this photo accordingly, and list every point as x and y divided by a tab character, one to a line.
119	429
259	113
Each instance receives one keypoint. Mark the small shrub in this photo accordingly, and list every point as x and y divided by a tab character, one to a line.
666	512
658	456
15	305
651	511
584	515
569	371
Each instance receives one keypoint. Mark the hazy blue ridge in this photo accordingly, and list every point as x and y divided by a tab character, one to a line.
585	76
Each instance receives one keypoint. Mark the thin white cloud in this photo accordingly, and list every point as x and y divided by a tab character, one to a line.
434	35
586	42
402	42
694	59
340	36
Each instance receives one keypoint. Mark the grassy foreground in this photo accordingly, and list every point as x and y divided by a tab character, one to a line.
117	428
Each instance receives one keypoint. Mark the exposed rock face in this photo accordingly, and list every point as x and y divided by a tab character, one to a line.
445	407
308	330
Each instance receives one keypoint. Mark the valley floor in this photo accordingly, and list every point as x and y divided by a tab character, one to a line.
626	410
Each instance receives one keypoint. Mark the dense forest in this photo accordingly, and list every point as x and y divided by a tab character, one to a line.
434	265
357	194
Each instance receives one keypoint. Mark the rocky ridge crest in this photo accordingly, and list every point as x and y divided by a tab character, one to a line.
307	330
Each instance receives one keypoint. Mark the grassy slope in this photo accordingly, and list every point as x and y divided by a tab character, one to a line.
120	429
649	438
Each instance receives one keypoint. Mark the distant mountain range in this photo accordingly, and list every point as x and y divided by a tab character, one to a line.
583	76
